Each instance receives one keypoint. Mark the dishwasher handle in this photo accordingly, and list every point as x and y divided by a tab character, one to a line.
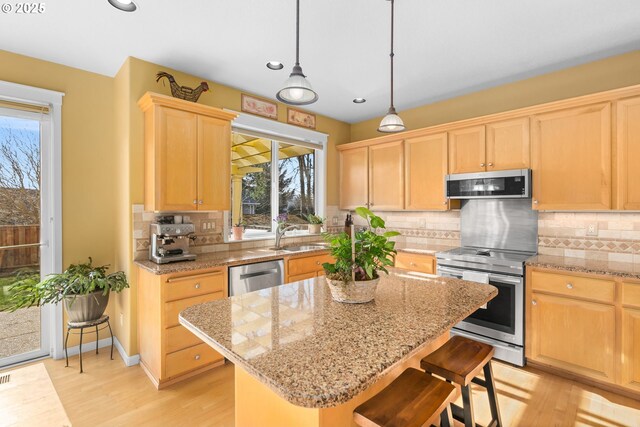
259	273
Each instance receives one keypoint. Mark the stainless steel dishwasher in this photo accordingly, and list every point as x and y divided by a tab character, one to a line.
253	277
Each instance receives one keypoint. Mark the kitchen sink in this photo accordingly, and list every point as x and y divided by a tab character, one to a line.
301	248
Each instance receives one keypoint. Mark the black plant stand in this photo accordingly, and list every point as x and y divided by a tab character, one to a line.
104	320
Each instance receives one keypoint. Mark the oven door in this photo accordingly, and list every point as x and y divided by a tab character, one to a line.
502	317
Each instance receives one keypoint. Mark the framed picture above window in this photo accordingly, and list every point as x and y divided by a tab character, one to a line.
301	118
260	107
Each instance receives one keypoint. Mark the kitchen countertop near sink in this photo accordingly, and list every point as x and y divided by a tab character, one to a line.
423	249
227	258
580	265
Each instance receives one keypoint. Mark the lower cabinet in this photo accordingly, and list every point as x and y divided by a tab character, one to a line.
306	267
168	351
586	325
422	263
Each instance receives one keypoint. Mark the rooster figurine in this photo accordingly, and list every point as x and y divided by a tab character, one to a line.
183	92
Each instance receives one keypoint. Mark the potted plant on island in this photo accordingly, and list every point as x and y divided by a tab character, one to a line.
315	223
238	229
83	288
360	257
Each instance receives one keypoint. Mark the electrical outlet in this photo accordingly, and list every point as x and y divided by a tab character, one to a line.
121	319
592	229
334	220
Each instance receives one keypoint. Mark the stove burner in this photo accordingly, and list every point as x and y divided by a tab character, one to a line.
483	252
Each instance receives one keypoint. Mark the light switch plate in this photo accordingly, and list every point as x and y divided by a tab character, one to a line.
592	229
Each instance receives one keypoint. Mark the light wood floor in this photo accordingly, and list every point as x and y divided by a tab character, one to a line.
110	394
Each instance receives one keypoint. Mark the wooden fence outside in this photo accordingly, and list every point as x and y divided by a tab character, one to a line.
14	259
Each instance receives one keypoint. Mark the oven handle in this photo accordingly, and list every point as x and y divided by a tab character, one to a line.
454	272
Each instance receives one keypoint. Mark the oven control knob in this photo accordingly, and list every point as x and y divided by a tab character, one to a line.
569	286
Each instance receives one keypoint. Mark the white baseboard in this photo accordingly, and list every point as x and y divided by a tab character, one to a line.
105	342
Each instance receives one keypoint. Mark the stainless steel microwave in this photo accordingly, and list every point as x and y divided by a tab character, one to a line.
509	184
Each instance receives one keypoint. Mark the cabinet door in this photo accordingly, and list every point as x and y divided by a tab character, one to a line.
354	178
214	164
386	176
571	158
176	160
425	168
467	150
631	348
508	145
628	150
575	335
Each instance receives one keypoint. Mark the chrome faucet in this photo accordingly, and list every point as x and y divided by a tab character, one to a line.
280	232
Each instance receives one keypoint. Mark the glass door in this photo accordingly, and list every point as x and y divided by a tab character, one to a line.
24	135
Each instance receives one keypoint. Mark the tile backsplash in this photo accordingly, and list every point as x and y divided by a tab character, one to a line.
612	236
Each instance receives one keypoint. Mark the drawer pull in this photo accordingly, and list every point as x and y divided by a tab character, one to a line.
481	165
197	286
534	302
490	164
412	264
317	262
196	357
569	286
196	276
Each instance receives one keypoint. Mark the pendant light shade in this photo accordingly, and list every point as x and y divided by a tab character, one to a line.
297	90
391	122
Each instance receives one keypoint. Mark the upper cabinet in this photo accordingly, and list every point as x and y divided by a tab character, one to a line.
425	169
628	154
571	158
495	146
187	155
467	152
373	176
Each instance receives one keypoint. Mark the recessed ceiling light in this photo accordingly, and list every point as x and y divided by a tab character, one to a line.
125	5
359	100
275	65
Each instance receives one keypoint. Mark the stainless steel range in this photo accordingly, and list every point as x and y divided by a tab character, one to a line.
497	236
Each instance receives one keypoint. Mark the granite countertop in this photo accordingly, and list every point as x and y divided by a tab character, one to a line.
315	352
226	258
423	249
581	265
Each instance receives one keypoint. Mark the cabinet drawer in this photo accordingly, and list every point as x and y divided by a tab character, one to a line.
631	294
179	287
298	266
416	262
575	286
299	277
173	308
178	338
189	359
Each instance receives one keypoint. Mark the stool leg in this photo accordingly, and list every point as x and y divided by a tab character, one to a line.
111	333
467	406
97	339
491	392
66	353
446	419
81	332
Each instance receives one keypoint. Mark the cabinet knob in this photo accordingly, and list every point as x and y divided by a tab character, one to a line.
481	165
444	203
196	357
534	302
317	262
195	202
200	202
490	164
535	202
569	286
197	286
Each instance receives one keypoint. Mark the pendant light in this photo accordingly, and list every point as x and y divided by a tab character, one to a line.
391	122
297	89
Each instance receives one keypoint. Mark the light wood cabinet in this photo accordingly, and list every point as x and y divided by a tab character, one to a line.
386	176
187	155
422	263
425	169
305	266
571	158
628	154
373	176
631	348
354	178
508	146
467	151
168	351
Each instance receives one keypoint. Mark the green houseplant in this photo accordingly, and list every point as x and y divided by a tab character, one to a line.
355	274
315	223
84	289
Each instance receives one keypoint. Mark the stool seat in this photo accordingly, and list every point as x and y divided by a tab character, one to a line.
459	360
414	399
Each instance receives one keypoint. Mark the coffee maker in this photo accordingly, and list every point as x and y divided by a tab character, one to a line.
170	242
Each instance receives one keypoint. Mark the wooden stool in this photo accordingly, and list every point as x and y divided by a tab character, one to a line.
414	399
459	361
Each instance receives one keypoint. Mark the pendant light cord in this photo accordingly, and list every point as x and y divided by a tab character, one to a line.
297	32
391	55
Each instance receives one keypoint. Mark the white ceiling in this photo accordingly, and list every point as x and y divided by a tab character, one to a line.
444	48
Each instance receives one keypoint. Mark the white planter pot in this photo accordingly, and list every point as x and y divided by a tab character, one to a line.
237	232
353	292
315	228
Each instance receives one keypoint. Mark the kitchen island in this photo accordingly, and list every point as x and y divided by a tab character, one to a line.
302	359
